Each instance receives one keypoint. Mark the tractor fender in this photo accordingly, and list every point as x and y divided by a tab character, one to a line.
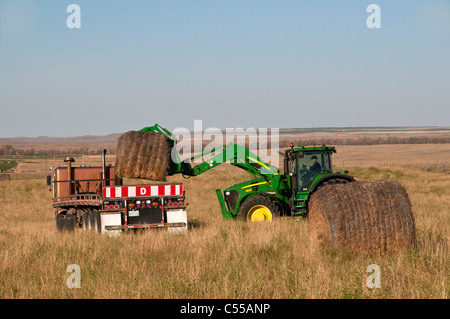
329	177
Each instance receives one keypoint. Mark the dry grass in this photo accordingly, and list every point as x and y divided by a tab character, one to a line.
217	258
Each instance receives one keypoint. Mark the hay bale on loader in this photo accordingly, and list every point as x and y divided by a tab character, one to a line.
368	216
143	155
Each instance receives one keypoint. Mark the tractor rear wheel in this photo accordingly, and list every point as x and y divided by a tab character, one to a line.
258	209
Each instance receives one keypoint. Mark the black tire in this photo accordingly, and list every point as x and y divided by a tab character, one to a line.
94	220
86	222
65	222
258	208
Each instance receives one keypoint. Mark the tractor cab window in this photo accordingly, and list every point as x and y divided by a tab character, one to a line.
311	165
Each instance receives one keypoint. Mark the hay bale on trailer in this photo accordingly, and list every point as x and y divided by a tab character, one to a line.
143	155
363	216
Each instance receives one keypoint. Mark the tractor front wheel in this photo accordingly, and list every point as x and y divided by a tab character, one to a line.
258	209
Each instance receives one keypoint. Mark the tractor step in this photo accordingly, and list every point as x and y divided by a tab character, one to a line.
298	215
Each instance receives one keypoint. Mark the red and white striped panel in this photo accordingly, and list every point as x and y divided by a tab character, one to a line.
143	190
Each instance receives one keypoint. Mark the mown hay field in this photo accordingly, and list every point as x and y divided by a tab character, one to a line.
217	258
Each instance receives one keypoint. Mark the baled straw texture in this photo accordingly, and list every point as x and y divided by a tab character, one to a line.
363	216
143	155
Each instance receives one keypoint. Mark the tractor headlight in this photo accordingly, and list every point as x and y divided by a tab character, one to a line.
231	197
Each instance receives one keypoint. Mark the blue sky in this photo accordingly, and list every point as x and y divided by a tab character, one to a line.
247	63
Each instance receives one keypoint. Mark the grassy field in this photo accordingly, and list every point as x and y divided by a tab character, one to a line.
226	259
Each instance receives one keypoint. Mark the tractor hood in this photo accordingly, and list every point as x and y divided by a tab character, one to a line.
253	184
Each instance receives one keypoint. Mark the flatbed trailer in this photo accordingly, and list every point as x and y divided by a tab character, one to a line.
93	198
144	206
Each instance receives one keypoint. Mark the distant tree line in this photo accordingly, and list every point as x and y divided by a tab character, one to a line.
11	150
283	143
366	140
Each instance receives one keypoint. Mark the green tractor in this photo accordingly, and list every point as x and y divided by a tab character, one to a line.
269	194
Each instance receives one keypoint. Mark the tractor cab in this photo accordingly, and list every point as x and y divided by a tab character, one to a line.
304	164
307	169
308	165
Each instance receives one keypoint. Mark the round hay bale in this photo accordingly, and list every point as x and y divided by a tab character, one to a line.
143	155
363	216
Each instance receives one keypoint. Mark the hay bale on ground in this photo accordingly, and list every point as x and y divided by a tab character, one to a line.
364	216
143	155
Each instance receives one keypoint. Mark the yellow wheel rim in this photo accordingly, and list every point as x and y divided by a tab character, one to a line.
259	213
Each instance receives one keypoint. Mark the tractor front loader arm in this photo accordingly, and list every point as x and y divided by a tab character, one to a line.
237	155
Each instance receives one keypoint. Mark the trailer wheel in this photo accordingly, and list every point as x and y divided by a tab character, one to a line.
65	222
258	209
86	221
94	221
